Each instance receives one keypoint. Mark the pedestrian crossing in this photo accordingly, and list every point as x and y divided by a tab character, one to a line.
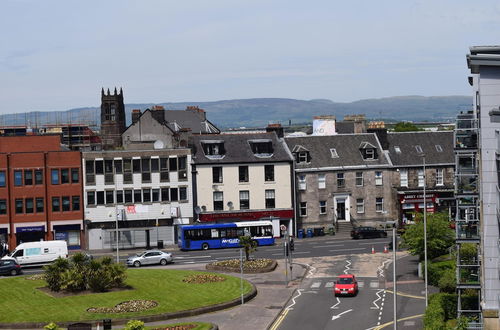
329	284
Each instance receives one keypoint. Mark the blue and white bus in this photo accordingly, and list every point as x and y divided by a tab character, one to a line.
224	235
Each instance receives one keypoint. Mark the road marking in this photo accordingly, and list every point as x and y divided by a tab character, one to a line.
348	263
340	250
409	324
378	327
329	284
372	243
374	284
193	257
189	262
335	306
299	291
301	252
327	246
380	269
361	284
315	285
406	294
375	302
334	317
279	320
311	270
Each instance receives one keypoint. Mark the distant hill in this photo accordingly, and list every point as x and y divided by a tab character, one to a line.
261	111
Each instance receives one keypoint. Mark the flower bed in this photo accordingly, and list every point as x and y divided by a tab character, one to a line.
125	307
203	278
250	266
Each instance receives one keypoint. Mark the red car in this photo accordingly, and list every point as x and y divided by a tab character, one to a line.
346	285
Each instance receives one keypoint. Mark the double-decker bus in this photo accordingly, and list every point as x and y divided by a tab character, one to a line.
224	235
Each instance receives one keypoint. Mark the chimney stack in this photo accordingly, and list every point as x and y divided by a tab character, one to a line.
136	114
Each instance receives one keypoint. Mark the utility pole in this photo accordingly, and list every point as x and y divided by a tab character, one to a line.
394	278
425	238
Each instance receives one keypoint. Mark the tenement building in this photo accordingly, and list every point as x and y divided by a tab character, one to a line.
243	177
40	191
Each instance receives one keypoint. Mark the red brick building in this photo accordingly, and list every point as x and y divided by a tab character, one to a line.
40	191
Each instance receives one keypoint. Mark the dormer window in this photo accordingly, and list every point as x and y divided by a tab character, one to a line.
418	149
261	148
368	151
397	149
302	157
213	149
439	148
334	153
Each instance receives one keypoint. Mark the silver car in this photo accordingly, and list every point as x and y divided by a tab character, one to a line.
150	257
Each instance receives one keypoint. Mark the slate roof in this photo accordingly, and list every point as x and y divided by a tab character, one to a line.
408	142
189	119
346	145
344	127
238	150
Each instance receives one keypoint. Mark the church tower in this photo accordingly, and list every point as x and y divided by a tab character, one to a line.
112	119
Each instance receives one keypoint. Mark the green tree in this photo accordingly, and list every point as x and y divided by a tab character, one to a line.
439	235
249	245
406	127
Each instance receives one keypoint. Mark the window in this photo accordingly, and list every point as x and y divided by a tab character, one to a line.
359	179
3	206
155	165
56	204
322	207
18	178
213	148
369	153
110	197
137	196
90	197
39	205
270	199
75	175
334	153
100	198
2	179
99	167
172	164
302	157
118	166
146	195
378	178
183	194
360	205
54	176
28	177
269	172
119	197
164	170
217	174
379	204
182	171
261	148
403	178
156	195
75	203
244	200
303	209
439	177
19	206
29	205
302	182
64	175
321	181
397	149
418	149
127	171
89	172
218	200
165	196
66	205
38	177
128	196
243	173
174	194
340	180
136	165
439	148
420	178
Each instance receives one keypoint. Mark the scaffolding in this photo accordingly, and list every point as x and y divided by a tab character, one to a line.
467	219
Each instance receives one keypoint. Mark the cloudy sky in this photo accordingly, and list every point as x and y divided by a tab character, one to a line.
56	55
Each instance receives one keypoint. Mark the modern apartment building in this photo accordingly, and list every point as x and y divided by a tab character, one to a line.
243	177
40	191
140	194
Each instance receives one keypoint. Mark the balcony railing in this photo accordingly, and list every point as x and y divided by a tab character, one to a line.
468	275
467	230
466	184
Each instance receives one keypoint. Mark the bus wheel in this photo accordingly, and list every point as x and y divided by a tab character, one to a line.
204	246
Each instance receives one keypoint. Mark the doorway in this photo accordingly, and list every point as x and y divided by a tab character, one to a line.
341	208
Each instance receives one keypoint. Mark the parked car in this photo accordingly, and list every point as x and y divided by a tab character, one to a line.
150	257
10	267
346	285
367	232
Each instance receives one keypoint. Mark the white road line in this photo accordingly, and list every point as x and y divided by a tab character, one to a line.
335	306
372	243
326	246
375	301
374	284
311	271
299	292
346	270
329	284
305	252
315	285
361	284
334	317
355	249
193	257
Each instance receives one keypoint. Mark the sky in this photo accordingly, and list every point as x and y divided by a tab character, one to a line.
56	55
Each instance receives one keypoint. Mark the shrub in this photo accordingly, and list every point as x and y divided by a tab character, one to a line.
53	273
51	326
435	270
448	281
442	308
134	325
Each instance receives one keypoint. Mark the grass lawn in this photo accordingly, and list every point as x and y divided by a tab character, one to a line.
200	326
22	302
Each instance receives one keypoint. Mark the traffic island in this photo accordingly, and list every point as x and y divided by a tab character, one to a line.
249	266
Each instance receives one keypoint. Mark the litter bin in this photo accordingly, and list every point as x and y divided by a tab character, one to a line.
310	232
106	324
160	244
331	231
300	233
322	231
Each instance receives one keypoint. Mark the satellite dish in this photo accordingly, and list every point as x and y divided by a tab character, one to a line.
204	208
230	205
197	210
159	144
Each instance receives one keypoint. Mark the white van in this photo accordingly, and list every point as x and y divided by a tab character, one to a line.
37	253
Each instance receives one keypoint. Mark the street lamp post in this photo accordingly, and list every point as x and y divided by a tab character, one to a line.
425	237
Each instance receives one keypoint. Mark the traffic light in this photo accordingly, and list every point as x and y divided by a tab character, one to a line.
292	245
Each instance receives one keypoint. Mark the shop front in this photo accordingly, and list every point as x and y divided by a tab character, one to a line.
283	217
70	233
414	203
30	233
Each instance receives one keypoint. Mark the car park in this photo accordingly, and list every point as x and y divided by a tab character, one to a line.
150	257
9	267
367	232
346	285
